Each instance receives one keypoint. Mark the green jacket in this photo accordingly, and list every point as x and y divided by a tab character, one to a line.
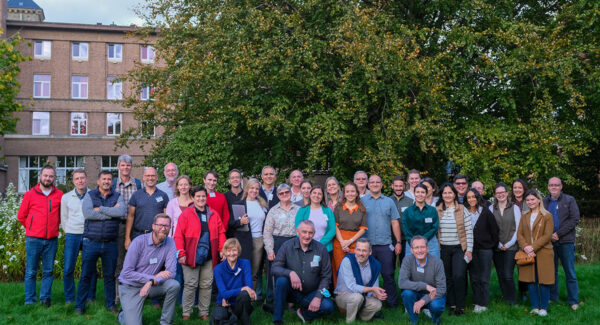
327	238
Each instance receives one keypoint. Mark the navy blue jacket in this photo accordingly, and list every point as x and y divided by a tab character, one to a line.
102	224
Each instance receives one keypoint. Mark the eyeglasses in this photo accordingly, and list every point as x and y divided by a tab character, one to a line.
460	183
162	226
284	193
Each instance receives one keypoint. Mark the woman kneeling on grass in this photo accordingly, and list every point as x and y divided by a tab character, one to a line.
234	283
535	237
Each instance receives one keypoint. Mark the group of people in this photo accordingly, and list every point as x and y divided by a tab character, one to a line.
179	242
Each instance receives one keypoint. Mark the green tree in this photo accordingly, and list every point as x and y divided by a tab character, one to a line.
496	87
10	57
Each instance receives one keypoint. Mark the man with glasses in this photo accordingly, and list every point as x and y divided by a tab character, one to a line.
565	213
461	184
234	194
381	212
168	186
360	179
149	271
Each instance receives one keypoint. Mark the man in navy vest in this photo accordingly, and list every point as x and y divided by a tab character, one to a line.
103	210
357	289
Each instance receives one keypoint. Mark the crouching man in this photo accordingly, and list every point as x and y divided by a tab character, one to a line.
357	289
424	282
142	277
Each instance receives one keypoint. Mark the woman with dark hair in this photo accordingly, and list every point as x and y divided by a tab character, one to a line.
199	239
321	216
351	224
456	245
421	219
305	188
535	239
507	217
432	190
485	234
517	197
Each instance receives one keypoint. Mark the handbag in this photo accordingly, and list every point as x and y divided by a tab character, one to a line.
523	258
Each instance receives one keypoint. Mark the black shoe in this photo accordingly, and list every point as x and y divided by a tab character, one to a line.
378	315
46	303
268	308
278	322
452	311
459	312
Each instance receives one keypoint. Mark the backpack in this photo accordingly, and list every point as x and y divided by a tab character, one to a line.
203	250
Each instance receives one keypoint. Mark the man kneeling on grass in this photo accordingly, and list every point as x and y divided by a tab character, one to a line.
357	289
142	276
302	270
424	282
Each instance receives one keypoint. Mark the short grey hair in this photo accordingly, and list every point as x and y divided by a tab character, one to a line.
418	237
307	223
80	171
364	240
125	158
283	186
360	172
268	166
162	216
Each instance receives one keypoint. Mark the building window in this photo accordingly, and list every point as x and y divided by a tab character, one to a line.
146	93
41	86
79	123
79	87
65	165
30	168
42	49
110	163
79	51
147	54
114	88
147	129
113	123
41	123
115	52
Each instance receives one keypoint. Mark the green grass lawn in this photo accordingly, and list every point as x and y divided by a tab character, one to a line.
13	311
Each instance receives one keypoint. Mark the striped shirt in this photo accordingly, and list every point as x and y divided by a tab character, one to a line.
449	231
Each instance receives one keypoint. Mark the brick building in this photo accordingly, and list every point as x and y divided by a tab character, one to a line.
73	113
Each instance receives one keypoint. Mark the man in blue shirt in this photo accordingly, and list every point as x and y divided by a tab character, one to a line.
381	212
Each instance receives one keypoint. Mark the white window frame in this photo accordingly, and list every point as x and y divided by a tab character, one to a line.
117	52
144	125
80	85
111	120
43	118
45	48
40	84
64	170
114	89
146	92
111	166
150	53
79	120
30	167
79	46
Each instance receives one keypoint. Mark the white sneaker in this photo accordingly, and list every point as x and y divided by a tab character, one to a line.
482	308
535	311
479	309
427	312
543	312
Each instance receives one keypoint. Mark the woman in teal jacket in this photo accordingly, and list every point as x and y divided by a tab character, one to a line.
321	216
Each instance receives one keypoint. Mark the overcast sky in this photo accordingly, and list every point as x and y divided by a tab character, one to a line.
91	11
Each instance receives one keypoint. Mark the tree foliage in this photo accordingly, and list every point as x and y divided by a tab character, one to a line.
502	89
10	58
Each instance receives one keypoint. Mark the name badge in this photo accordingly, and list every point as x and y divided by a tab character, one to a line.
391	247
159	199
428	220
237	271
315	261
402	209
420	269
153	260
212	194
203	218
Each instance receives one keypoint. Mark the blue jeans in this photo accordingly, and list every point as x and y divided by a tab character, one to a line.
539	294
436	306
73	244
38	249
92	250
566	254
283	291
434	248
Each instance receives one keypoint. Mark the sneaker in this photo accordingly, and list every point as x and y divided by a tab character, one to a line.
542	312
482	309
575	306
299	313
46	303
535	311
427	312
477	309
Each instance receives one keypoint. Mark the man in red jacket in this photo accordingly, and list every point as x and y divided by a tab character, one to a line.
40	215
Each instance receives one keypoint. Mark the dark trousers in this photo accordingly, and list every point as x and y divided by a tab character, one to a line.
284	292
386	256
243	307
480	269
277	242
504	261
92	251
455	268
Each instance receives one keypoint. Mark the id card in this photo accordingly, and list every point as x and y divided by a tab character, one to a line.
212	194
159	199
315	261
428	220
420	269
153	260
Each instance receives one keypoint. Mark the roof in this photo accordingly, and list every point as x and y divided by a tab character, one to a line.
25	4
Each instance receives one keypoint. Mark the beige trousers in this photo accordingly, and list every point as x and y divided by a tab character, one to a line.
257	255
199	276
351	302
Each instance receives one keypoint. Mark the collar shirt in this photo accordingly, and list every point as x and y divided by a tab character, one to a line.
126	189
347	282
279	222
168	189
146	207
380	213
270	193
71	215
144	260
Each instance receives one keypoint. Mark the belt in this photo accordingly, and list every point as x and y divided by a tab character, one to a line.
142	231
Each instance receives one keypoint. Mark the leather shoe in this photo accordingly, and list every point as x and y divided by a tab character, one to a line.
268	308
46	303
186	317
204	317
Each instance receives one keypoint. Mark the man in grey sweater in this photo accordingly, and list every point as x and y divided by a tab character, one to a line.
423	280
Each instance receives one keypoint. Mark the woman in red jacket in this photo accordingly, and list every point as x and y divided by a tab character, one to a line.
199	237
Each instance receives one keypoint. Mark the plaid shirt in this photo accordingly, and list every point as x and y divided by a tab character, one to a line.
126	189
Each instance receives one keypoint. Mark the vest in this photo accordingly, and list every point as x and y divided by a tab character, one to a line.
459	218
506	223
102	230
375	269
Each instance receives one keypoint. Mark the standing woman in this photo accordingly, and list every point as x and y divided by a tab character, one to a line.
517	197
421	219
334	194
432	190
199	239
321	216
251	237
507	217
535	237
351	224
485	239
305	188
456	245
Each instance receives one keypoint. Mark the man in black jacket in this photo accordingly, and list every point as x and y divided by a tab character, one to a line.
103	210
565	213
